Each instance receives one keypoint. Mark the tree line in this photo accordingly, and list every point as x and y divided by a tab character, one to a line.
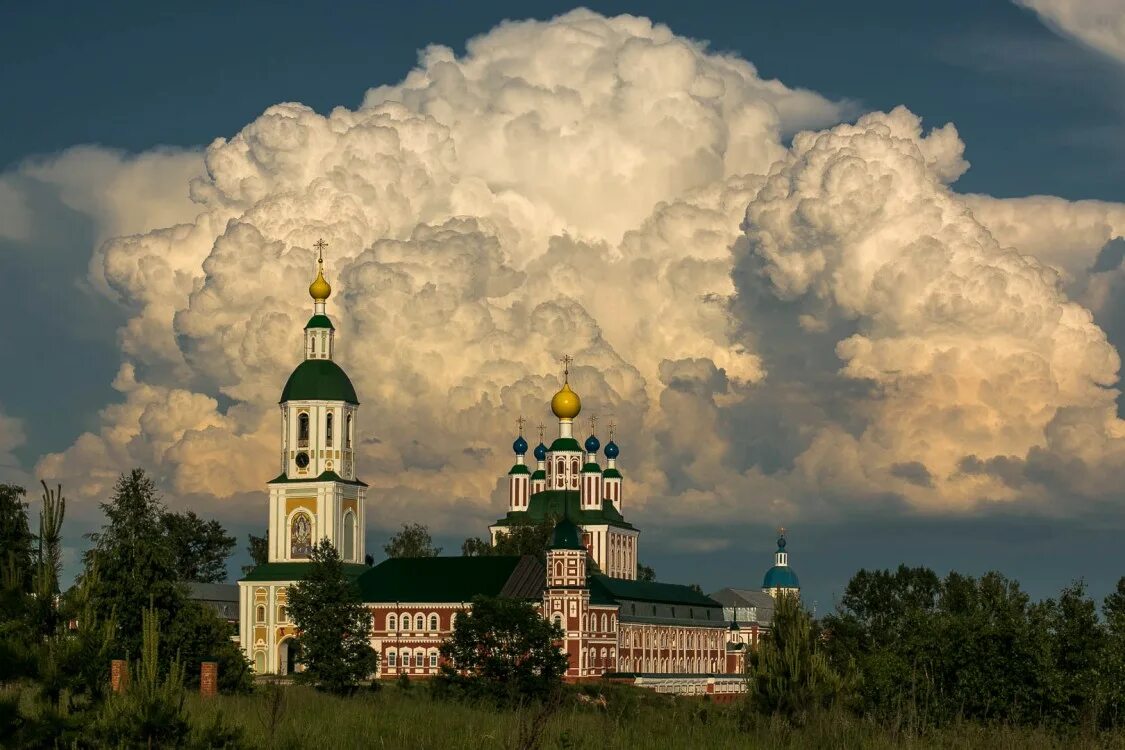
914	651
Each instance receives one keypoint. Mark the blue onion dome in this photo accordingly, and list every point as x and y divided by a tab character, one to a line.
540	452
592	444
611	449
520	446
780	544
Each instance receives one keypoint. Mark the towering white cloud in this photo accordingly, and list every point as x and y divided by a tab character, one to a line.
579	185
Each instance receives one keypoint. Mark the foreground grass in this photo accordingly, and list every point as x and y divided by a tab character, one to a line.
299	717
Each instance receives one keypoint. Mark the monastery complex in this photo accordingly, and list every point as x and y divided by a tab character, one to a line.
663	635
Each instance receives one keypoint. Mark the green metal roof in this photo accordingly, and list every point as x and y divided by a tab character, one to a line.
327	476
564	503
592	467
295	571
538	474
452	579
611	474
319	321
319	380
519	469
566	444
649	591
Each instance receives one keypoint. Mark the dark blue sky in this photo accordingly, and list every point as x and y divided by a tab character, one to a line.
1039	114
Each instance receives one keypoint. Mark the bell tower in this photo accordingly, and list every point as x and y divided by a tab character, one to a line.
317	494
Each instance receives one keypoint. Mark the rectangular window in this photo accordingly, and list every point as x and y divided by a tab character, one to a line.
391	659
433	660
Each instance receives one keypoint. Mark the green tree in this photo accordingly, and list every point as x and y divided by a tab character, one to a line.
503	649
520	538
200	548
259	549
789	673
136	568
645	573
475	547
1113	611
15	536
333	623
17	607
413	541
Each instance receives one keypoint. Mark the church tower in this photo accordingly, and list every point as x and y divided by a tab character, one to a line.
781	579
317	494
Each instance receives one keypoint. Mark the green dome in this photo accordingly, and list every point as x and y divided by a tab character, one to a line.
566	535
319	380
319	321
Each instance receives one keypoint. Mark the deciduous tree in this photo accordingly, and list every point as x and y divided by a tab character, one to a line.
333	623
413	541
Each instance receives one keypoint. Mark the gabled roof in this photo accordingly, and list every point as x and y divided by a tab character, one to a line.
452	579
565	503
650	591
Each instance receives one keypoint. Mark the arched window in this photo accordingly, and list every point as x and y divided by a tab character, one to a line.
419	657
349	537
558	569
405	654
302	430
392	622
560	470
452	619
282	615
558	621
605	623
574	466
420	623
433	658
328	430
348	432
300	536
313	340
260	614
433	623
392	658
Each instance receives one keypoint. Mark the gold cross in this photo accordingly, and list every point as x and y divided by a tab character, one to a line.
541	428
566	360
520	420
612	428
320	245
593	425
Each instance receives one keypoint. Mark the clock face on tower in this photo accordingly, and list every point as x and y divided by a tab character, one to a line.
302	460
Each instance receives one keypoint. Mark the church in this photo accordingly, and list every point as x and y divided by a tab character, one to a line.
666	636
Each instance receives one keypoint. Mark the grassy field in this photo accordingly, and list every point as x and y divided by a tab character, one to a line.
299	717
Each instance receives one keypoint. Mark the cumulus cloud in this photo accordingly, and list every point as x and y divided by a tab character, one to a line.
779	328
1099	24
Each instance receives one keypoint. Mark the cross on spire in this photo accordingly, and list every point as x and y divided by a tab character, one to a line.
519	421
540	428
320	244
594	425
781	531
612	426
566	360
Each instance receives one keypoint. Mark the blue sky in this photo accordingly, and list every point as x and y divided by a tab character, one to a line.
1038	112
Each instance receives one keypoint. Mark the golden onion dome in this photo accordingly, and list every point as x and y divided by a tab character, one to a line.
566	403
320	289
